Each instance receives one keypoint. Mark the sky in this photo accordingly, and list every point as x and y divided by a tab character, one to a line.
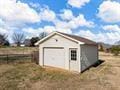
98	20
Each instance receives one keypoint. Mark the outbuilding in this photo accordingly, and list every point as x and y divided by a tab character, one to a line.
67	51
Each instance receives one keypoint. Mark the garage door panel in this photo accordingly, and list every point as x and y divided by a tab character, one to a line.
54	57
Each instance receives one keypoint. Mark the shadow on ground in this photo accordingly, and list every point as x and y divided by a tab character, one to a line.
96	64
99	62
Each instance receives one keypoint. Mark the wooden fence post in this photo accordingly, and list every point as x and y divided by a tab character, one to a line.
7	58
35	56
32	57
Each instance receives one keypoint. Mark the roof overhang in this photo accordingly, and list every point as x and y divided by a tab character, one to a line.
55	32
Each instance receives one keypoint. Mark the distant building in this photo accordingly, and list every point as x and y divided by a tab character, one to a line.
13	45
22	45
27	42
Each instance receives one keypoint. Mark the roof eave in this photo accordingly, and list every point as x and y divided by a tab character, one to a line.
55	32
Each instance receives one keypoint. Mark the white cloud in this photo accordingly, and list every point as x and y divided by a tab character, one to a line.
87	34
58	23
69	31
31	32
112	28
47	15
107	37
78	3
35	5
109	11
74	23
49	29
16	11
8	32
67	14
1	22
3	31
14	15
80	21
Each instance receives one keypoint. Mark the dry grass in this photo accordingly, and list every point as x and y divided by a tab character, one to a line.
31	76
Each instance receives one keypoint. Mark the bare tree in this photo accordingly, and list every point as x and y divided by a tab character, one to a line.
18	38
42	35
3	39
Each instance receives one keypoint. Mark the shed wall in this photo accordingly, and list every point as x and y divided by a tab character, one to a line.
89	55
59	41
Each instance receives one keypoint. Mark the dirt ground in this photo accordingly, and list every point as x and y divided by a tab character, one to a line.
29	76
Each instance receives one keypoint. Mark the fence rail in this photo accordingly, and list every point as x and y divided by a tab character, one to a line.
18	54
11	58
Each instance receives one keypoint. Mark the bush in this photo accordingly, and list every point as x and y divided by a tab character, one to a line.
6	43
33	40
101	48
115	50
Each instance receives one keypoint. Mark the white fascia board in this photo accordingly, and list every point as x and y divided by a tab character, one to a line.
55	32
81	43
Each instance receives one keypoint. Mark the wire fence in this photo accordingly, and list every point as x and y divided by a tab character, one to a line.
11	58
19	55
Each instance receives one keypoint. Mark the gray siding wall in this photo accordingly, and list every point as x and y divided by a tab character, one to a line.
89	55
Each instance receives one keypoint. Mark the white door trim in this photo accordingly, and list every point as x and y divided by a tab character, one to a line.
73	61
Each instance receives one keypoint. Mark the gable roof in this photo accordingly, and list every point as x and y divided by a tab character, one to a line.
72	37
81	39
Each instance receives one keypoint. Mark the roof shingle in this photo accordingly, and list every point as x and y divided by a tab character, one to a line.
86	41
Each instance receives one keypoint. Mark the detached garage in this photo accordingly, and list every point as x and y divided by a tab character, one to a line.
67	51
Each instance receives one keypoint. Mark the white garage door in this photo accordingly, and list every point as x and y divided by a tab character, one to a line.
54	57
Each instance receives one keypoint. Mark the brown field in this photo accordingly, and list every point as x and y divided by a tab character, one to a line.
29	76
